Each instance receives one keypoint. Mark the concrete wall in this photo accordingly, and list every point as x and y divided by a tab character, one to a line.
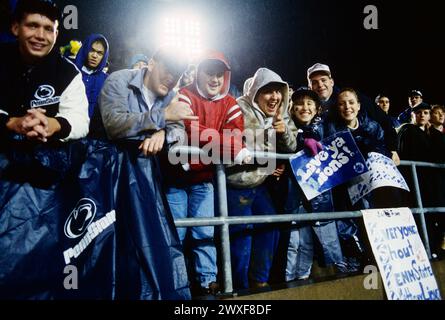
347	288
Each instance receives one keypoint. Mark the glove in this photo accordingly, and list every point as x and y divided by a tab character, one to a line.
312	146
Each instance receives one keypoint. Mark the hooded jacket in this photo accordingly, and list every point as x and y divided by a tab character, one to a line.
93	79
249	176
215	114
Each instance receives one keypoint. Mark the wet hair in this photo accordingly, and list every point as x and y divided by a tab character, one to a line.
47	8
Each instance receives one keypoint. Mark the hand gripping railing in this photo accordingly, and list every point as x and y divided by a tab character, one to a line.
224	220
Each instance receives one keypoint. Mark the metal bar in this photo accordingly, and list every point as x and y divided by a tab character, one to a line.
286	156
218	221
426	241
225	240
194	222
422	164
429	210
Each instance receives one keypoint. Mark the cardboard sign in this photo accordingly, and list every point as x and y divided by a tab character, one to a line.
400	255
382	173
339	161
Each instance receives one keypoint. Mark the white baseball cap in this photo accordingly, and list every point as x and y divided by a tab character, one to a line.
318	67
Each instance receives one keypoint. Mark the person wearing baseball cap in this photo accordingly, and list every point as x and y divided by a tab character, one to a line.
415	98
321	81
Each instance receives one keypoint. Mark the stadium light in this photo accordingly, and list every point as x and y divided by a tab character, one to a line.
182	31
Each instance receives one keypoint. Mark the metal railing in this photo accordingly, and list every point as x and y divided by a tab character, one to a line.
224	220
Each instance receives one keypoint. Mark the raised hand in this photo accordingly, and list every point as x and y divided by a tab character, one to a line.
278	122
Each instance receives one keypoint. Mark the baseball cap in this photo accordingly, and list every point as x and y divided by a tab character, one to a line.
318	67
421	106
306	92
208	63
175	62
415	93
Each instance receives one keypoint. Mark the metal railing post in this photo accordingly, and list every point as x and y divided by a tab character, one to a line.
225	240
426	241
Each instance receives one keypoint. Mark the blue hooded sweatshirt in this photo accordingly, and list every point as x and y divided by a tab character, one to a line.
93	79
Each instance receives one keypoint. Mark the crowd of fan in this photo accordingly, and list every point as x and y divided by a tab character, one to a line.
159	100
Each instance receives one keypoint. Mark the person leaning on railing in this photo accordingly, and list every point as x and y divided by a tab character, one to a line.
265	116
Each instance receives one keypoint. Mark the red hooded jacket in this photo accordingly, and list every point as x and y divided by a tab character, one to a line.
219	113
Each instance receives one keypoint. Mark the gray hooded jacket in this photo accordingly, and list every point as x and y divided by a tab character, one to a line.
259	126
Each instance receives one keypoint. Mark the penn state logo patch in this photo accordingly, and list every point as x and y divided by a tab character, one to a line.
44	96
80	218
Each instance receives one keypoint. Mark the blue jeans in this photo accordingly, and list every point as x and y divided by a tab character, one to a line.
197	201
301	249
252	247
301	244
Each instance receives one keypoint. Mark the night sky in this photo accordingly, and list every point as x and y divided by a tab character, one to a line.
288	36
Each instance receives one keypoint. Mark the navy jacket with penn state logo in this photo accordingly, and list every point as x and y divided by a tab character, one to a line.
54	85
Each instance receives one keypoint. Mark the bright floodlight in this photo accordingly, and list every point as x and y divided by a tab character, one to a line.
182	32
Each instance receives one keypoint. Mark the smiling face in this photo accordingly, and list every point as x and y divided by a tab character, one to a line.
36	35
304	110
348	108
322	84
269	98
211	78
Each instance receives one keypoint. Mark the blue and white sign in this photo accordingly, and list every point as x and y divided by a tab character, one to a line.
339	161
400	255
382	173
